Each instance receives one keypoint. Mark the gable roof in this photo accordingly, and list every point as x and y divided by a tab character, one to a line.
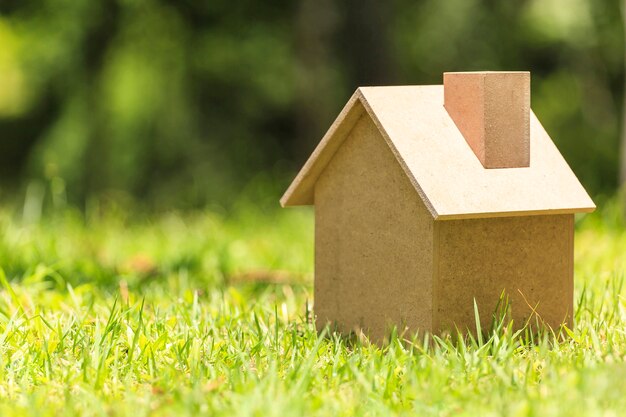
440	164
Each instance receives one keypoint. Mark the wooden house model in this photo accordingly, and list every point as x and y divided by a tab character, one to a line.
430	198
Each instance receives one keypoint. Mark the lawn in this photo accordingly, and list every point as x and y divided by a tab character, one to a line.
106	313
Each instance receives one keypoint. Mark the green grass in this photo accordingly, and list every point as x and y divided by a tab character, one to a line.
107	314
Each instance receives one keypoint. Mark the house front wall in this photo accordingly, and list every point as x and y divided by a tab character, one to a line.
373	241
529	258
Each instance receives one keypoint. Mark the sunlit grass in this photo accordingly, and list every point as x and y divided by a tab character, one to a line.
207	314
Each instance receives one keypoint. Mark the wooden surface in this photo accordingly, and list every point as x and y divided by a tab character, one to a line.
531	258
441	166
492	112
373	241
300	192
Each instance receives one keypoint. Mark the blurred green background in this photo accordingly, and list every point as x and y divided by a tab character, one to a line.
181	104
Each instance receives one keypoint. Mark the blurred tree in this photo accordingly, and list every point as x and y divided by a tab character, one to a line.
623	139
186	102
318	79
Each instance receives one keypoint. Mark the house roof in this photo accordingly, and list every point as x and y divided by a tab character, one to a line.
440	164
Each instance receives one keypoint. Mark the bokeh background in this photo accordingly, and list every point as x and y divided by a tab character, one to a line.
183	104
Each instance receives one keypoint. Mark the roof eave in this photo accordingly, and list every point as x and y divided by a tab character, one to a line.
301	189
515	213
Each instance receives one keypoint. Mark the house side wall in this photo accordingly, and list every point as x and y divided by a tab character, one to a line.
373	241
529	258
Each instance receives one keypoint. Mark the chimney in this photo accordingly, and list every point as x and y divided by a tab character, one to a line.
492	110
